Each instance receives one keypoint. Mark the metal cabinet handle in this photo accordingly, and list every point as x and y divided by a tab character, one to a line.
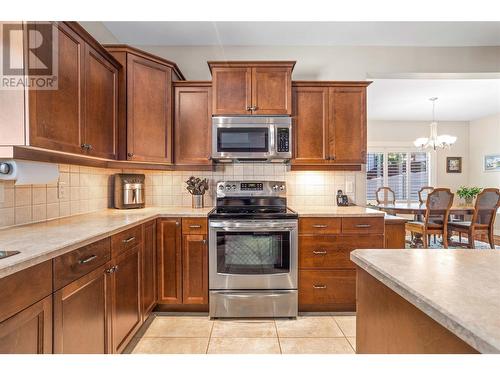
177	223
84	146
112	269
195	226
87	260
204	242
363	225
319	225
321	286
90	147
249	108
319	252
130	154
128	240
254	108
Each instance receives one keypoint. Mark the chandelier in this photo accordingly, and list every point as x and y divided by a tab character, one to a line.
435	141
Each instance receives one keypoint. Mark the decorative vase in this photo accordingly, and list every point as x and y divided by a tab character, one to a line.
197	200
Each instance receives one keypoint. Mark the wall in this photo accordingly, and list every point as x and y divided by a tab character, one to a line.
89	189
338	63
484	139
401	134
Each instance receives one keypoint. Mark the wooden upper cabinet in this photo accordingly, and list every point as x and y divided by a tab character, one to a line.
101	105
347	125
232	90
149	117
252	87
145	105
80	116
56	116
272	91
192	123
329	124
169	254
310	124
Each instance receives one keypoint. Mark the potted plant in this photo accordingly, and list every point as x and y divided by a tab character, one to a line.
468	193
197	187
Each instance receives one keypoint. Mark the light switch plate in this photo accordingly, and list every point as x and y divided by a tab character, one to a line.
61	190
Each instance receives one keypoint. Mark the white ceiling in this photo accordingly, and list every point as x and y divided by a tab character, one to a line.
307	33
408	99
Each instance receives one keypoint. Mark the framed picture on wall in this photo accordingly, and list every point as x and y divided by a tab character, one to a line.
492	163
454	164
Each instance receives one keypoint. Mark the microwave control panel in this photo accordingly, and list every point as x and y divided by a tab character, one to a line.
283	140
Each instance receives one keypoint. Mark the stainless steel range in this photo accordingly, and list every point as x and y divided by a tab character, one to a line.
253	252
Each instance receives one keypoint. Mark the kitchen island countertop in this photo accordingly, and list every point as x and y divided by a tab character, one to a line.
459	289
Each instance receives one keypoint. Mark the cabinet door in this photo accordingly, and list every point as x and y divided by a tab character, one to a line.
169	254
125	298
272	91
195	269
232	91
149	115
29	331
148	279
101	99
80	315
192	125
310	131
56	116
347	125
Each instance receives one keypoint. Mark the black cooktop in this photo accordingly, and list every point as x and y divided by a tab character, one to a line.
252	212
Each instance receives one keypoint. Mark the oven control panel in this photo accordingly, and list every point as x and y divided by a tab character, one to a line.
250	188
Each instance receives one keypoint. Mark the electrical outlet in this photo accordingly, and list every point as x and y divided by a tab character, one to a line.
2	193
61	190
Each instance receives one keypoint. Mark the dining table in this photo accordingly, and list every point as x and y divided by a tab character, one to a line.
418	210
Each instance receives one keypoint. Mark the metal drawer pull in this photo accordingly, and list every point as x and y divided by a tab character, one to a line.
363	226
195	226
319	252
321	286
128	240
112	269
87	260
319	225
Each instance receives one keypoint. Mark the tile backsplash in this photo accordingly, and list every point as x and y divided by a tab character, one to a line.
88	189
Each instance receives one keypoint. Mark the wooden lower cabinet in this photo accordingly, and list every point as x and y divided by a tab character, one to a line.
182	264
148	271
126	314
29	331
194	269
169	254
327	290
81	315
327	277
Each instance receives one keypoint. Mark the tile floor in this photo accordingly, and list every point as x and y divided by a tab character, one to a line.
200	335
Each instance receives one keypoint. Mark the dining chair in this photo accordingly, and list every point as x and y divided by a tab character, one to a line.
423	193
483	218
435	221
385	195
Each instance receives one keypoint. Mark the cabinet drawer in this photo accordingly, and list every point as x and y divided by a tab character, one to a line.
327	290
195	225
319	225
24	288
126	240
73	265
363	225
334	251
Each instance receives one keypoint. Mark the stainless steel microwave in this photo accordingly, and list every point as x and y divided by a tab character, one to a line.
251	138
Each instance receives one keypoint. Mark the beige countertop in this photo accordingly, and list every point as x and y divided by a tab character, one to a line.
457	288
42	241
335	211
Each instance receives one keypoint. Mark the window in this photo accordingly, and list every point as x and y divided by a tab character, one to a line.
404	172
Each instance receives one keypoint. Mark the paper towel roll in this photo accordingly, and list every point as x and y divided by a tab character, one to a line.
30	172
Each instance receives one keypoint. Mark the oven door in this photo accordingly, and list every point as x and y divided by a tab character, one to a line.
253	254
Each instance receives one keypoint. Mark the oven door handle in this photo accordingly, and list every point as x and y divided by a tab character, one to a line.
229	226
